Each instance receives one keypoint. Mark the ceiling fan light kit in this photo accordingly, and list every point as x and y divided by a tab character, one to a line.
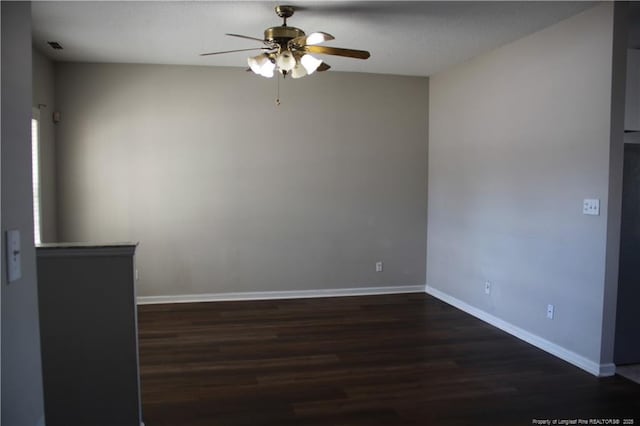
287	50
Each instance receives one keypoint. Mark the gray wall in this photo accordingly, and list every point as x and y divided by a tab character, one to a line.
21	368
518	138
44	96
227	192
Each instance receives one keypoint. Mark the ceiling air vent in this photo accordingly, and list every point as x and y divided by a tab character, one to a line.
55	45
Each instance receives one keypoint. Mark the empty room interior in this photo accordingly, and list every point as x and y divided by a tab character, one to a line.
320	213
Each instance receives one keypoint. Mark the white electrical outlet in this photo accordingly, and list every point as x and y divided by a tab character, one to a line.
591	206
550	310
379	266
487	287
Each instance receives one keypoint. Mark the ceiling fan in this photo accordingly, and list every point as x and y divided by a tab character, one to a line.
288	50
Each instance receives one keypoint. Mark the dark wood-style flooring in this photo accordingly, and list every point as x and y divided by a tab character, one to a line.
375	360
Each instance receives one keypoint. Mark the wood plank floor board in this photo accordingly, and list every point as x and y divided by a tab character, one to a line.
405	359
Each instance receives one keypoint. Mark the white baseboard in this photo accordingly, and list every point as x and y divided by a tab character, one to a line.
288	294
606	370
600	370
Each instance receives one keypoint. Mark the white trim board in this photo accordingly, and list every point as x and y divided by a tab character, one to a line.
600	370
287	294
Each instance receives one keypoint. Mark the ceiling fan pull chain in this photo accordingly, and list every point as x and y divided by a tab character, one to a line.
277	89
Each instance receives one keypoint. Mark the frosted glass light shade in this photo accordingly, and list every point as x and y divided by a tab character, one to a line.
256	62
262	65
286	61
298	71
267	69
310	63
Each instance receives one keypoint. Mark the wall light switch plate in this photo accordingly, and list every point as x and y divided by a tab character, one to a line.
591	206
379	266
14	268
550	310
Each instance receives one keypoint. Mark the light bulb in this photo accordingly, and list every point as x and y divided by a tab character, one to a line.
310	63
286	61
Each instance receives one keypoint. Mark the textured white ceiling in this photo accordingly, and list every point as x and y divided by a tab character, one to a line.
407	38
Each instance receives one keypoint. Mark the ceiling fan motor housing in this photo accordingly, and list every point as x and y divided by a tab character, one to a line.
281	35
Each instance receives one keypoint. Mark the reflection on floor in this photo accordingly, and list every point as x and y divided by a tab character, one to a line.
631	372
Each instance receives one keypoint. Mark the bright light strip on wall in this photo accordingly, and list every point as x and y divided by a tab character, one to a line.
35	167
